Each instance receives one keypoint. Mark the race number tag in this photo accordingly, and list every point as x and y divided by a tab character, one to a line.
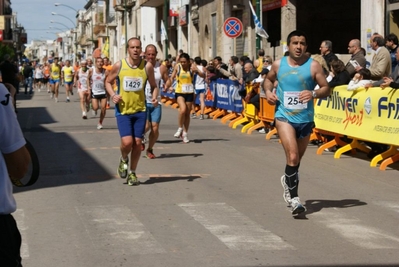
68	77
133	84
99	86
187	88
291	101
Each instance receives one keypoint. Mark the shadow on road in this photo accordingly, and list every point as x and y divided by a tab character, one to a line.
316	205
153	180
62	160
197	141
195	155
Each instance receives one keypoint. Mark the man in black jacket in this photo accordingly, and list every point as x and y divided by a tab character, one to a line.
28	75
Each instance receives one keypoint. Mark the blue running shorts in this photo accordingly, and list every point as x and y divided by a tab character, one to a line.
54	81
132	124
199	91
154	114
301	129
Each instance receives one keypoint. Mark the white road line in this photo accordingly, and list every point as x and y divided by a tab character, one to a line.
353	230
234	229
19	216
117	227
392	205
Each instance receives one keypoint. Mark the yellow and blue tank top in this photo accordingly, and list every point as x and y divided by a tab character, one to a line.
292	81
68	73
131	83
184	81
55	71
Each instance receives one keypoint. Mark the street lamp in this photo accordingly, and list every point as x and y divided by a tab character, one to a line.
59	4
51	21
54	13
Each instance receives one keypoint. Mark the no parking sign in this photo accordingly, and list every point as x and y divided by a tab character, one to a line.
232	27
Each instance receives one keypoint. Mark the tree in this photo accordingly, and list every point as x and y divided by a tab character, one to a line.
5	49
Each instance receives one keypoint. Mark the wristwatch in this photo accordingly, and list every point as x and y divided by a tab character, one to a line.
314	93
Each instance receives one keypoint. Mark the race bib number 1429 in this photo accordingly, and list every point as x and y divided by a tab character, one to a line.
133	84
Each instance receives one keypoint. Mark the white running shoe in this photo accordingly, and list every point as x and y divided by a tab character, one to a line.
178	133
99	126
286	194
52	95
56	100
185	138
94	112
296	206
84	116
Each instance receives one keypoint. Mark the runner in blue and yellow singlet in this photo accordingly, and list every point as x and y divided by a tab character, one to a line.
67	73
131	75
184	94
55	73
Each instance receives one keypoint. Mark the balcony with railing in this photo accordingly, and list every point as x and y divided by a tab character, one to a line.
151	3
122	5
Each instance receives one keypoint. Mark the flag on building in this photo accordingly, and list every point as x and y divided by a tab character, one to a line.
258	26
164	34
174	6
105	50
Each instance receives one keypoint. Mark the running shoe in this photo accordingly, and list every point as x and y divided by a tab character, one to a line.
193	116
56	100
178	133
84	116
201	116
71	92
67	100
108	106
122	168
185	138
87	108
286	194
296	206
94	112
52	95
99	126
132	179
150	154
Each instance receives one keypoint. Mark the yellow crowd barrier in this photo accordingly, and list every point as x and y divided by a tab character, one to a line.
362	115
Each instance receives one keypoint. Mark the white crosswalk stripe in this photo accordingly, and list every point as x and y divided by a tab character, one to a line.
116	226
19	217
355	231
234	229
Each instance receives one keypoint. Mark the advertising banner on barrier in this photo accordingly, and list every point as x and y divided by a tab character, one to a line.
227	96
371	114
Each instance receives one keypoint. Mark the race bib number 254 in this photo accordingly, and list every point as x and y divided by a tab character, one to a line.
291	101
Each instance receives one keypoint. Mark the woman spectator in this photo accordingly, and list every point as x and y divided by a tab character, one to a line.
340	75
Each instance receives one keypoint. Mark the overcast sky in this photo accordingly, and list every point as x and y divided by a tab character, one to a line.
35	16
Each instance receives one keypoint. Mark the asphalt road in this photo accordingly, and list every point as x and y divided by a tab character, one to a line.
216	201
